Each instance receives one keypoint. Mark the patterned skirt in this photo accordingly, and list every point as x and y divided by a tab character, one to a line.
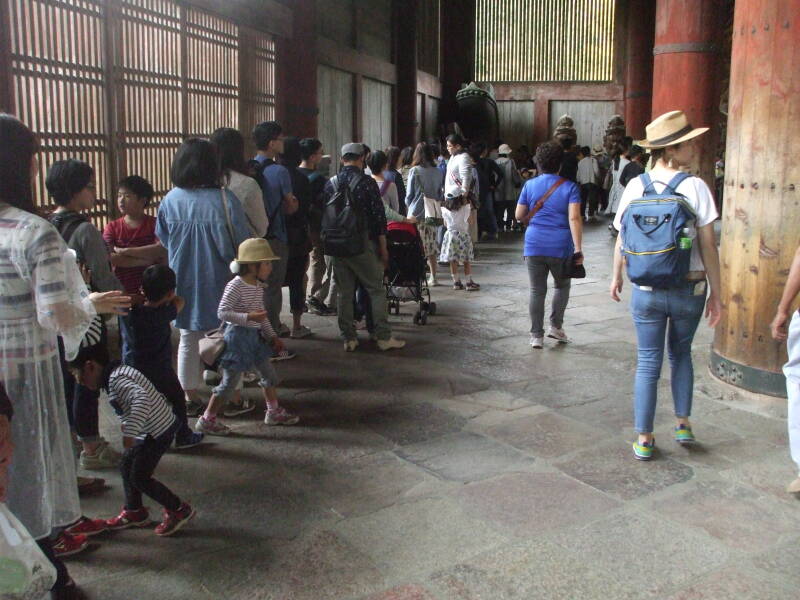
429	243
457	246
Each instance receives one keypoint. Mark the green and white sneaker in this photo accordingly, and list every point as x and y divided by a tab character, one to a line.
643	451
684	435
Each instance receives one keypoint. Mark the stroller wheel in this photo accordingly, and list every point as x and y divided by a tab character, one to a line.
417	318
432	308
423	319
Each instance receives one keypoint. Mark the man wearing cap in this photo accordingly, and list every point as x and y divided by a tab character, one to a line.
367	267
507	189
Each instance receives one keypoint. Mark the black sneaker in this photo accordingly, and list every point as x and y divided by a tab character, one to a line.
314	305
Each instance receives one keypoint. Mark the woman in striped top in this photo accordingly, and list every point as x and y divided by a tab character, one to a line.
246	337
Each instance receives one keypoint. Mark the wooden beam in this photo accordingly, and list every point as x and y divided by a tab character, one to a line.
7	103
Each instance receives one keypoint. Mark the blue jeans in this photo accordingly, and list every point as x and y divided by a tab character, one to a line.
675	313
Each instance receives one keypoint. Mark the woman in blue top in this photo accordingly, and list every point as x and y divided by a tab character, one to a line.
193	227
554	229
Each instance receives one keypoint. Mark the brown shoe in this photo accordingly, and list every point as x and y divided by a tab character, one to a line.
794	487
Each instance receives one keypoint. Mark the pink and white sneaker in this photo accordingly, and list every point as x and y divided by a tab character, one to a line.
280	416
211	427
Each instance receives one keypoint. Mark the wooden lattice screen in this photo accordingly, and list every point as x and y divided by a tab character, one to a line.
119	83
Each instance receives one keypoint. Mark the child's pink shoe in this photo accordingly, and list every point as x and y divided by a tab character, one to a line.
279	416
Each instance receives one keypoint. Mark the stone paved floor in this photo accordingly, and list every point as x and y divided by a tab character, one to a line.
468	466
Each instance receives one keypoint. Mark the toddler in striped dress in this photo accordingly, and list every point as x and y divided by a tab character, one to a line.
248	337
148	428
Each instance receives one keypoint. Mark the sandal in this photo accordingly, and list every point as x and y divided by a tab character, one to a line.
472	286
458	285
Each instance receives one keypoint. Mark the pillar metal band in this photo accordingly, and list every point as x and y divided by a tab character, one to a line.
748	378
685	47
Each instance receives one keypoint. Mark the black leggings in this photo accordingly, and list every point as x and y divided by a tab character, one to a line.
82	403
137	467
295	277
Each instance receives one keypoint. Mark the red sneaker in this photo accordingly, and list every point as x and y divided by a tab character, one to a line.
174	520
129	518
67	545
88	527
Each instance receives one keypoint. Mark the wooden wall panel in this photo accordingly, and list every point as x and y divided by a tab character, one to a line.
516	122
376	111
374	28
60	88
428	40
119	83
335	90
431	117
150	76
545	40
336	21
591	118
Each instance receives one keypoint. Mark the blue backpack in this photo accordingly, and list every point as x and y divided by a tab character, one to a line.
657	235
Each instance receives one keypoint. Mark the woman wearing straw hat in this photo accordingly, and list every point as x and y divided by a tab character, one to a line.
248	335
672	312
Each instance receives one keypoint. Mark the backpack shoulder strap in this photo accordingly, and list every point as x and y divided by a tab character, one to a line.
676	180
355	181
68	226
647	184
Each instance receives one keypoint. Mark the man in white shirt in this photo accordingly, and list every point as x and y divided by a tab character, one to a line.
588	180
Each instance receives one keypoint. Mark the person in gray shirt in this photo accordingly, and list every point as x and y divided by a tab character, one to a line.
71	185
426	186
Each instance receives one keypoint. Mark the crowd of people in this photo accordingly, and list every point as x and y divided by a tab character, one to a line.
232	233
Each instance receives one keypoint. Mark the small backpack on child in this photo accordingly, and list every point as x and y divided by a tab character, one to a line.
657	232
343	221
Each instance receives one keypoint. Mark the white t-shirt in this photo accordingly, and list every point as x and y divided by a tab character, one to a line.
697	195
457	220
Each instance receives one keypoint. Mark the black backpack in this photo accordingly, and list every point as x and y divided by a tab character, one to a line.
343	221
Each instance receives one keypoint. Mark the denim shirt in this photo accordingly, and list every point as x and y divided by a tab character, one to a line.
192	227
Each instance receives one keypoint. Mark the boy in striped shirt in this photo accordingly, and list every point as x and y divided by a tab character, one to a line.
148	428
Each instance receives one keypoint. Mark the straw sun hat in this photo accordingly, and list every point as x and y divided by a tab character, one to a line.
255	250
669	129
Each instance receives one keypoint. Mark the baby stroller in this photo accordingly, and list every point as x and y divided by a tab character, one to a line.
406	278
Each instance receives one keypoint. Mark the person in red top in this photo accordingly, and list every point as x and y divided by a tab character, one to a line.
131	239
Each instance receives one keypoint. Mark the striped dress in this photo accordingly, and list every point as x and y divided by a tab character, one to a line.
141	408
42	295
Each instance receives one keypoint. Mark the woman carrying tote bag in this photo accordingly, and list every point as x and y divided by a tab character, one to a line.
423	199
193	227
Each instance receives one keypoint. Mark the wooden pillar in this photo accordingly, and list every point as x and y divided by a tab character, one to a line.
7	103
405	91
685	59
457	53
639	40
296	73
761	220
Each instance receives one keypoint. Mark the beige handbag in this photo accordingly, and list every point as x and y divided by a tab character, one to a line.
212	345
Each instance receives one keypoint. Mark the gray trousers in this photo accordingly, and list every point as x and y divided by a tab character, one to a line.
273	294
538	269
366	268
